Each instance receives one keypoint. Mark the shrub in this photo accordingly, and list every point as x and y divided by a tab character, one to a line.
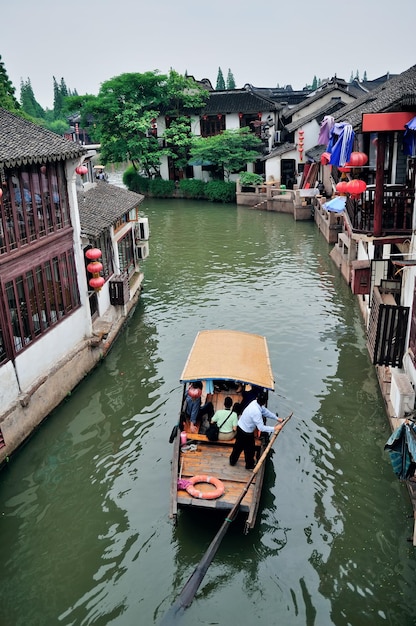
220	191
135	182
192	188
249	178
159	188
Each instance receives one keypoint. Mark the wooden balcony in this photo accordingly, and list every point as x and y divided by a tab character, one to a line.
396	219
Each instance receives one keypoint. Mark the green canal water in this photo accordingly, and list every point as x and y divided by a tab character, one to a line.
85	533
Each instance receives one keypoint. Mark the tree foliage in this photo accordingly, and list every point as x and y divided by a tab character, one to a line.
179	140
231	150
230	80
220	80
28	101
7	91
125	108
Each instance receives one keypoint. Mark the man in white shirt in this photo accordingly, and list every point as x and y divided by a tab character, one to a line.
252	418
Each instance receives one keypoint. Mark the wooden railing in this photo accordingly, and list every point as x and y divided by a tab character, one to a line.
398	204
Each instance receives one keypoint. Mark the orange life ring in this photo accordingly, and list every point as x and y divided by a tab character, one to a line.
205	495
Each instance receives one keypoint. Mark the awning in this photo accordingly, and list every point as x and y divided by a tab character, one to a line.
199	162
229	355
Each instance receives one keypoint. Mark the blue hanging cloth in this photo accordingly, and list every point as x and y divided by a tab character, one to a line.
409	138
402	449
341	143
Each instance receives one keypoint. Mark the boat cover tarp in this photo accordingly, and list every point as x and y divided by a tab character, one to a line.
229	355
402	449
336	205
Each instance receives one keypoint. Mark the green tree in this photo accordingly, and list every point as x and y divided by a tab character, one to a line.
357	76
230	151
179	140
28	101
230	80
314	83
7	98
182	94
123	112
365	76
220	80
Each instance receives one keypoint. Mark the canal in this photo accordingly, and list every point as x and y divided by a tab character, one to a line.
85	534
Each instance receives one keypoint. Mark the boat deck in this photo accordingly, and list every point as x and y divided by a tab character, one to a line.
213	458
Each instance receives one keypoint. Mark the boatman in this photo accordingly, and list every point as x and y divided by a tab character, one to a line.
252	418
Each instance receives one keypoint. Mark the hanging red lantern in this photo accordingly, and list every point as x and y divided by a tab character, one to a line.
342	187
93	254
96	282
356	187
325	158
357	159
95	267
344	168
81	170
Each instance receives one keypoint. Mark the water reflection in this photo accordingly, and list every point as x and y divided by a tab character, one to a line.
86	537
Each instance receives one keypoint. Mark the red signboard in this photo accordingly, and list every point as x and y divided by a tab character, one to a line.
385	122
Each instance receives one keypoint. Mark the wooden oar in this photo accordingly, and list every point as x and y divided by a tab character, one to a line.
191	586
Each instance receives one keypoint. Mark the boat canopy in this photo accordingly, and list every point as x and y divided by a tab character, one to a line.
229	355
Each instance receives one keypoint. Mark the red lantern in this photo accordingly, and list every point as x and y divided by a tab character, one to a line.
356	187
1	192
93	254
357	159
325	158
95	267
81	170
342	186
344	168
96	282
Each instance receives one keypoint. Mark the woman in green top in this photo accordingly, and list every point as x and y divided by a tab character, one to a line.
227	420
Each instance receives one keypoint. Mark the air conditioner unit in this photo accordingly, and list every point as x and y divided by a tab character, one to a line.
402	394
142	228
142	248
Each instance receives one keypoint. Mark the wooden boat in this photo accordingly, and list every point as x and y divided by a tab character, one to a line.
228	363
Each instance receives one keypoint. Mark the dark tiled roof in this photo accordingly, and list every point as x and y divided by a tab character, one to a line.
102	205
331	86
281	95
236	101
315	153
392	95
327	109
24	142
282	149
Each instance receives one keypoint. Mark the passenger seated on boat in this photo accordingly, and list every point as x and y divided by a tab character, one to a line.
237	408
193	409
227	420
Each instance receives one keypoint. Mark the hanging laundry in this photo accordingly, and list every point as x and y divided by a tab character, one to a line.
409	138
327	125
341	143
402	449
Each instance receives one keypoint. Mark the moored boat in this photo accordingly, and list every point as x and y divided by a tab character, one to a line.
223	363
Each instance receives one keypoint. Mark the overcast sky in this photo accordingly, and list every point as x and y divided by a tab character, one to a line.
265	44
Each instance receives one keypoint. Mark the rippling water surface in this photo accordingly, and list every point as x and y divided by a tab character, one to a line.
84	523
